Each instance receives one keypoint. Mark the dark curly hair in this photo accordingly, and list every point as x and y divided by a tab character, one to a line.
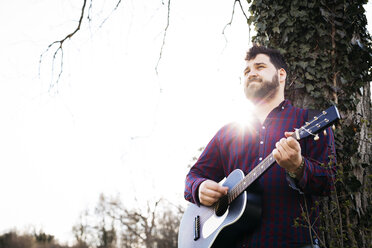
275	57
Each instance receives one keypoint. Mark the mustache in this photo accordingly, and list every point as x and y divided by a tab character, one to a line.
254	79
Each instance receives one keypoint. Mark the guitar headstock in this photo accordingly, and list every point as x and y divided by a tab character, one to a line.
325	119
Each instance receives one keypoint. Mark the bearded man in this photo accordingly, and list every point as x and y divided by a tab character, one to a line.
303	171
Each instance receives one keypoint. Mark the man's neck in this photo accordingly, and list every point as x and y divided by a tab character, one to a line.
263	109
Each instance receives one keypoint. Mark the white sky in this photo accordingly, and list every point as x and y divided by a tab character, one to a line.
106	128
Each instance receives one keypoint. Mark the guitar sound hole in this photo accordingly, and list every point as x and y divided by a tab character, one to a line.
221	206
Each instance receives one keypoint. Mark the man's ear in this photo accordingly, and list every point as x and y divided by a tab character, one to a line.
282	75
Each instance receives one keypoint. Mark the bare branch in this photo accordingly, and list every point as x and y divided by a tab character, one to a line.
242	9
90	11
164	36
232	16
60	47
131	229
117	5
61	42
231	20
153	215
89	17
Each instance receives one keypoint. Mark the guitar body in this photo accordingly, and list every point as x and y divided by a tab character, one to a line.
201	227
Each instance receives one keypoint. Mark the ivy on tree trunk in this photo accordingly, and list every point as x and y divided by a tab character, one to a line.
328	50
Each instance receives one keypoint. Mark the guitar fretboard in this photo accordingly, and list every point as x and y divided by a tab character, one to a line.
250	177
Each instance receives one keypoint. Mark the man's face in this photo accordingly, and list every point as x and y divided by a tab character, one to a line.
261	79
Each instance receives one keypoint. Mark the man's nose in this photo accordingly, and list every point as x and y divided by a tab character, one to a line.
252	74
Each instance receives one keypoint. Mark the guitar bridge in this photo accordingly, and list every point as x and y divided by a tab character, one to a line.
197	227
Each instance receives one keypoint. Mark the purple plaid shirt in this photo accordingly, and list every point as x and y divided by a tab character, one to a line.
283	198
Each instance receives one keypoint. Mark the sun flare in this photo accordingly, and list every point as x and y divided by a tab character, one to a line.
243	113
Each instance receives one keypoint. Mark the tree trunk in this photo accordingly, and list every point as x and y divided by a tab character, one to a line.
328	51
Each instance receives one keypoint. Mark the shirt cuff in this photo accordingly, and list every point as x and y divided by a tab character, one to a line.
308	171
293	183
299	184
195	190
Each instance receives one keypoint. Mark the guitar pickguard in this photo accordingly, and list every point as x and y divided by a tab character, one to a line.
212	223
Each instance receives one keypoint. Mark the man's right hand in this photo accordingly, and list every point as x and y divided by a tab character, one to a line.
210	192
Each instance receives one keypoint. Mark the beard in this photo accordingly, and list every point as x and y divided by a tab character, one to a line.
260	90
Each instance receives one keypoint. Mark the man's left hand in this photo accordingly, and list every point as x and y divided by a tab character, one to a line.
288	153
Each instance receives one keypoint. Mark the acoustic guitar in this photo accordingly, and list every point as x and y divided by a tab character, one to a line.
240	209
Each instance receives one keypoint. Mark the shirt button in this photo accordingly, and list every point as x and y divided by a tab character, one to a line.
261	142
260	159
283	107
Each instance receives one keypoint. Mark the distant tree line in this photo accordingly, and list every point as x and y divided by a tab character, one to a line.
112	225
13	239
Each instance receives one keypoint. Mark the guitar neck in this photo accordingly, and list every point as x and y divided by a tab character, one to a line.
254	174
250	177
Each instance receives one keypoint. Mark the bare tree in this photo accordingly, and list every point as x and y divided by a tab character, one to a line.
81	230
105	227
155	225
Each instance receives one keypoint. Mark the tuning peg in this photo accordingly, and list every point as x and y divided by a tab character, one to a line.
333	127
325	132
316	137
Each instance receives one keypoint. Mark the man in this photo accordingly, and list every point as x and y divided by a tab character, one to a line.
302	171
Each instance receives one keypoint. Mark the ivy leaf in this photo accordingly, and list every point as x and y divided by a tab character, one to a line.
295	12
251	19
324	65
299	85
316	94
282	19
324	13
308	76
261	26
309	35
303	64
309	87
